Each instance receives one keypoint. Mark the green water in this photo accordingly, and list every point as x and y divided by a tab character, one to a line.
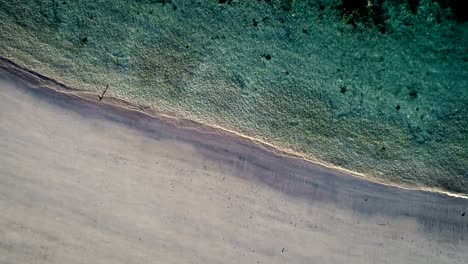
388	98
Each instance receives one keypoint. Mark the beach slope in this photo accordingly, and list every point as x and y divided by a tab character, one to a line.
89	182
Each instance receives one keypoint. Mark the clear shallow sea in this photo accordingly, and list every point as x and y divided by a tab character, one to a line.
382	90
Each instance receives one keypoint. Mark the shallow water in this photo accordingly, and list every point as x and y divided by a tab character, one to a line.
306	76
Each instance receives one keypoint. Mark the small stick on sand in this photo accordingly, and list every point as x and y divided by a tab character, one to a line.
102	95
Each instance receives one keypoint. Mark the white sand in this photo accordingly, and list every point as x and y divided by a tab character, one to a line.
79	187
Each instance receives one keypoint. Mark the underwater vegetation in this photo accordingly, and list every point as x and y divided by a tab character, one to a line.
378	87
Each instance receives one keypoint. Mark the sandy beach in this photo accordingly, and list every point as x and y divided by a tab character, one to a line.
89	182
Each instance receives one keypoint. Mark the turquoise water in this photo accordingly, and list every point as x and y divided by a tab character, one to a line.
379	89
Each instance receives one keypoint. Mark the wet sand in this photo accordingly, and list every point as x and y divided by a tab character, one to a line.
84	181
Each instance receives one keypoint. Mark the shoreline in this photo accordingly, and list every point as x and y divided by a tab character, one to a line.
22	74
75	173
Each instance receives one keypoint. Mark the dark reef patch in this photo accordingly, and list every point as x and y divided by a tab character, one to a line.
459	8
343	89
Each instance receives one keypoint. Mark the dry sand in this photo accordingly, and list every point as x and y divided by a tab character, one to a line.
87	182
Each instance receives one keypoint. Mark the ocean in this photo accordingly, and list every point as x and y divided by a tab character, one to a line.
375	87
